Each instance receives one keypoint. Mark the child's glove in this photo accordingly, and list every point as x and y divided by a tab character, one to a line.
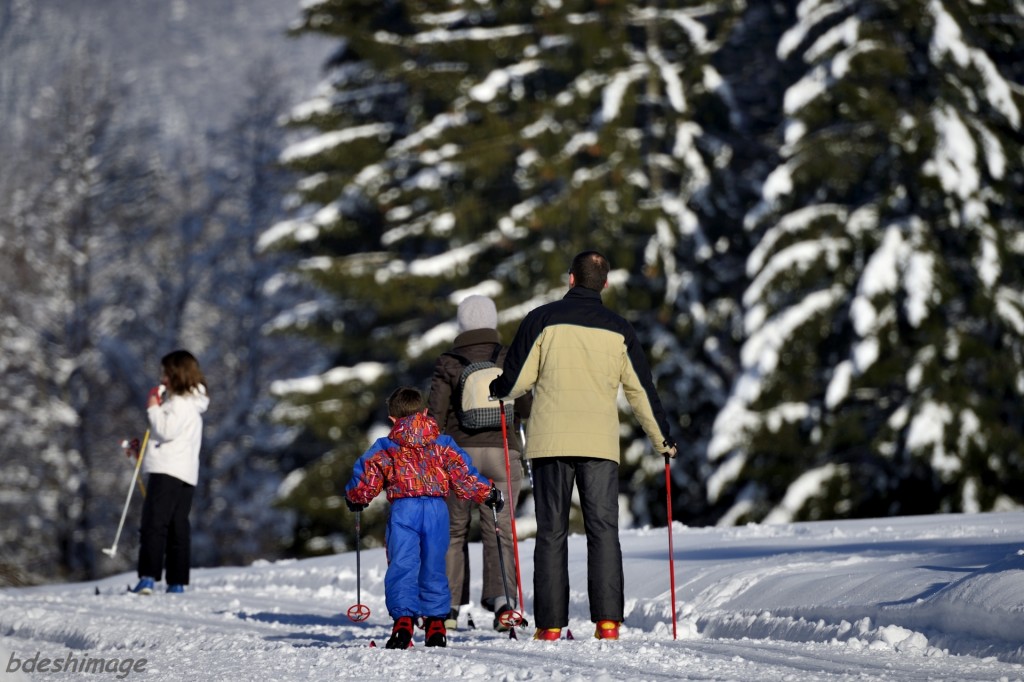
495	501
354	506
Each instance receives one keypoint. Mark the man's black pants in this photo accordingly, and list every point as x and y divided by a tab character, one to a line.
598	484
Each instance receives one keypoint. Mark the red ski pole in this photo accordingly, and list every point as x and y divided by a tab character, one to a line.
671	554
511	504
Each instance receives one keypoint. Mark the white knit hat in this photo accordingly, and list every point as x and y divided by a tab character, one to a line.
477	312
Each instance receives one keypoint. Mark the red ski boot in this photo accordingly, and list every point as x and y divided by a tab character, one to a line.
401	634
436	633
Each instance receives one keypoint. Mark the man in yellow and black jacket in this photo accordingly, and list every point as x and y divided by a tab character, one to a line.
575	354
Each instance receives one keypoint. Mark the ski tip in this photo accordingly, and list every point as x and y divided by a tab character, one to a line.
512	633
568	634
373	644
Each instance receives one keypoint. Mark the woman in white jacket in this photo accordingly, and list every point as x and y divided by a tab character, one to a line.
175	410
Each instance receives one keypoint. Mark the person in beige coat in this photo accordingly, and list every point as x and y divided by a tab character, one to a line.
575	355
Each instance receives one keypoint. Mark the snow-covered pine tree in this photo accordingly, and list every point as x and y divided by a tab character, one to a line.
113	254
128	215
59	213
237	302
476	149
884	321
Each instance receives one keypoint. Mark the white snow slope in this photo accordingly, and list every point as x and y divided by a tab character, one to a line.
916	598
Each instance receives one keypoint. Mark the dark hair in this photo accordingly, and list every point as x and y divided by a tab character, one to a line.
405	400
183	373
590	270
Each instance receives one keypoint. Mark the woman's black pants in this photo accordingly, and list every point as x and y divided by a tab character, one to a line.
165	535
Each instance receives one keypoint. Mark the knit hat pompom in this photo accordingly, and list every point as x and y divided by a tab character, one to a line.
477	312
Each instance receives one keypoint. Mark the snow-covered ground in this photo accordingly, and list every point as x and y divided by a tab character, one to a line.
920	598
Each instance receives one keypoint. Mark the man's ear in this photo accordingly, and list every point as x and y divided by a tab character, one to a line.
572	280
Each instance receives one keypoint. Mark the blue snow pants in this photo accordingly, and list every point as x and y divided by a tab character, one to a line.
417	540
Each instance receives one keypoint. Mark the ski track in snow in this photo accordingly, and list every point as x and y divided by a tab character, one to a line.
915	598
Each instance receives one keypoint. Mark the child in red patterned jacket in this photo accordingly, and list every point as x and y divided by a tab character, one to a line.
417	467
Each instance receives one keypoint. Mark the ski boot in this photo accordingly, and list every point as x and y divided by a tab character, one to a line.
401	634
144	586
607	629
436	633
548	634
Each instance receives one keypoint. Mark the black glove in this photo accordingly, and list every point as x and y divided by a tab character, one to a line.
492	394
354	506
495	501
